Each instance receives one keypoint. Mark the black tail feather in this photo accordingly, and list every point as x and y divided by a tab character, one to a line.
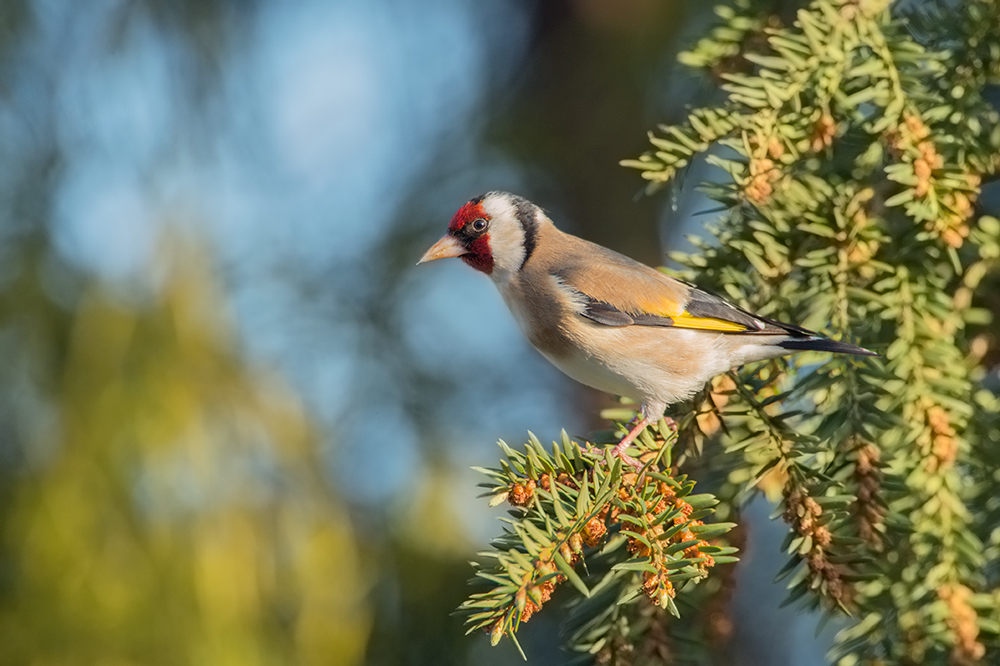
823	344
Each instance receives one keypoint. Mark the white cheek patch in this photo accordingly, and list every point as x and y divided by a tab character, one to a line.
507	247
506	237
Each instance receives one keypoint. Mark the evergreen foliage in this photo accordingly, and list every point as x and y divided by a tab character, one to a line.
637	536
850	150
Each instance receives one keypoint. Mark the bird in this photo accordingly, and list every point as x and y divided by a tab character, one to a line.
608	321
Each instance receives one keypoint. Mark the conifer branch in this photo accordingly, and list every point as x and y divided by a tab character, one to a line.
578	517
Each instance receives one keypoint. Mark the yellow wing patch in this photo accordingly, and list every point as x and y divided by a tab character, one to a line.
685	320
667	307
662	305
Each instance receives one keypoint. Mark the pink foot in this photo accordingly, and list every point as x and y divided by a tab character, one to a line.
619	449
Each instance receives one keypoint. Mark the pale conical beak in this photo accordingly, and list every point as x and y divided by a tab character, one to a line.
448	246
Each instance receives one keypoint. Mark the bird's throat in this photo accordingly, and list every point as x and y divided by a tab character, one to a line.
479	256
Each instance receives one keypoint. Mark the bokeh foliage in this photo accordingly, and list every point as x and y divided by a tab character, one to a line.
850	151
161	500
167	506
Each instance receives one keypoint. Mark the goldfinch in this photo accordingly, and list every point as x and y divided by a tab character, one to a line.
608	321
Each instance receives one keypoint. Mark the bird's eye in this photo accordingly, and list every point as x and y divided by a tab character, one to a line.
479	224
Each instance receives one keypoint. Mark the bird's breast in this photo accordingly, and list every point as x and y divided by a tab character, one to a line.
550	321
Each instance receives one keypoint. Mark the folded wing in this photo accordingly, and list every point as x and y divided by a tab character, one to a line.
620	292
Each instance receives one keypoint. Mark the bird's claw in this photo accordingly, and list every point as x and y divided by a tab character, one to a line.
617	453
629	460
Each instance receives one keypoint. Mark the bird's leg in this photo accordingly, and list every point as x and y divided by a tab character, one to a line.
619	449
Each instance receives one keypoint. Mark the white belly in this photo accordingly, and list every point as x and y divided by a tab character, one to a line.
595	374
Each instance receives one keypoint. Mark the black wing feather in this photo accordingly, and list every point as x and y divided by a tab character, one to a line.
703	304
605	313
609	315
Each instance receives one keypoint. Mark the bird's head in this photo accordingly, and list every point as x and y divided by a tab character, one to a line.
494	233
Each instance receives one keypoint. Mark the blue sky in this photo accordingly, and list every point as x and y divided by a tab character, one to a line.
320	118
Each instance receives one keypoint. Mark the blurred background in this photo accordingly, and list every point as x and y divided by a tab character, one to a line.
236	421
